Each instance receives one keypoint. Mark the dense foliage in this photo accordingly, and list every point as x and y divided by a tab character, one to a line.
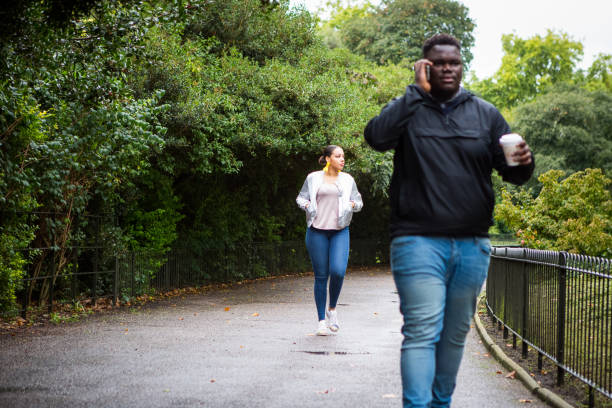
74	137
569	128
189	125
396	29
573	214
147	125
529	66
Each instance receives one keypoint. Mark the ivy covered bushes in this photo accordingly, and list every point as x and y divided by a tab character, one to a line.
192	125
74	138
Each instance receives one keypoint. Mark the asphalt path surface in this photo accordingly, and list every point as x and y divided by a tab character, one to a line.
249	345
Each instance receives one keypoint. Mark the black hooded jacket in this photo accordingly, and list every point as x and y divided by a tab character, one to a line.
444	156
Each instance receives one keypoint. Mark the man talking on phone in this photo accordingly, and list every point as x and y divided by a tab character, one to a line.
446	144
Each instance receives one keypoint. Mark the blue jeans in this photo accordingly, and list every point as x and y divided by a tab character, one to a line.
438	280
329	251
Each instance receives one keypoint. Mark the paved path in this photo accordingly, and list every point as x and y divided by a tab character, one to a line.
261	352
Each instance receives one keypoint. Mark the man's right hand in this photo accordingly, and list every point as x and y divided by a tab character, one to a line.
420	74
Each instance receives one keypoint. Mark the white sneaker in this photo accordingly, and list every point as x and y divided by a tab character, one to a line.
322	330
332	320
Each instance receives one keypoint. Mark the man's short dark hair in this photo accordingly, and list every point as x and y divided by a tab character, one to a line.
440	39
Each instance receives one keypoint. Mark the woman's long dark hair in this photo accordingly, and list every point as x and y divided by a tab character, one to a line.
327	152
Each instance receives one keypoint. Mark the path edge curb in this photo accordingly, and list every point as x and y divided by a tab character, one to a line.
542	393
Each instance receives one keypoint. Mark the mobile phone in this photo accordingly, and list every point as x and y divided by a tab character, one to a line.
427	75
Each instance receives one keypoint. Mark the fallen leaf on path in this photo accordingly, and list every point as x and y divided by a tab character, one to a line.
326	391
390	396
498	372
213	380
255	314
511	374
486	355
526	401
181	318
227	308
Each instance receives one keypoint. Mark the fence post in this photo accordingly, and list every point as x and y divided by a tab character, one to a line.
51	280
561	316
116	280
506	296
525	305
116	277
94	294
132	271
26	290
227	263
75	270
53	267
489	292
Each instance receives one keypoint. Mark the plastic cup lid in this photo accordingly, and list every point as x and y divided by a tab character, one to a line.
511	138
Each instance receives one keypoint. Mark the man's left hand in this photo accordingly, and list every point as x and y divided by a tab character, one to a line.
523	154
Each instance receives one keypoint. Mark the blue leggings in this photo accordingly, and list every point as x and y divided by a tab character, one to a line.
329	251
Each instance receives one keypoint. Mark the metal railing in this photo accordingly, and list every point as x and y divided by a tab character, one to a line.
560	304
96	271
185	267
93	270
66	260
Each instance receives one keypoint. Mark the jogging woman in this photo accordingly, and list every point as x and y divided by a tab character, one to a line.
329	197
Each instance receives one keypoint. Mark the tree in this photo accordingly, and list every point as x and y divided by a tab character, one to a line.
569	128
397	29
599	75
257	29
574	214
343	12
529	66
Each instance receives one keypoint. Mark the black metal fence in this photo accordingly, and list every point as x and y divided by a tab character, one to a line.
87	266
95	271
184	267
560	304
67	261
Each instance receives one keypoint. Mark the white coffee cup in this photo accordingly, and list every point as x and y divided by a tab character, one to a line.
510	143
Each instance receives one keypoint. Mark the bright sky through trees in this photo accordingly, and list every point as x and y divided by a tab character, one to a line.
587	21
